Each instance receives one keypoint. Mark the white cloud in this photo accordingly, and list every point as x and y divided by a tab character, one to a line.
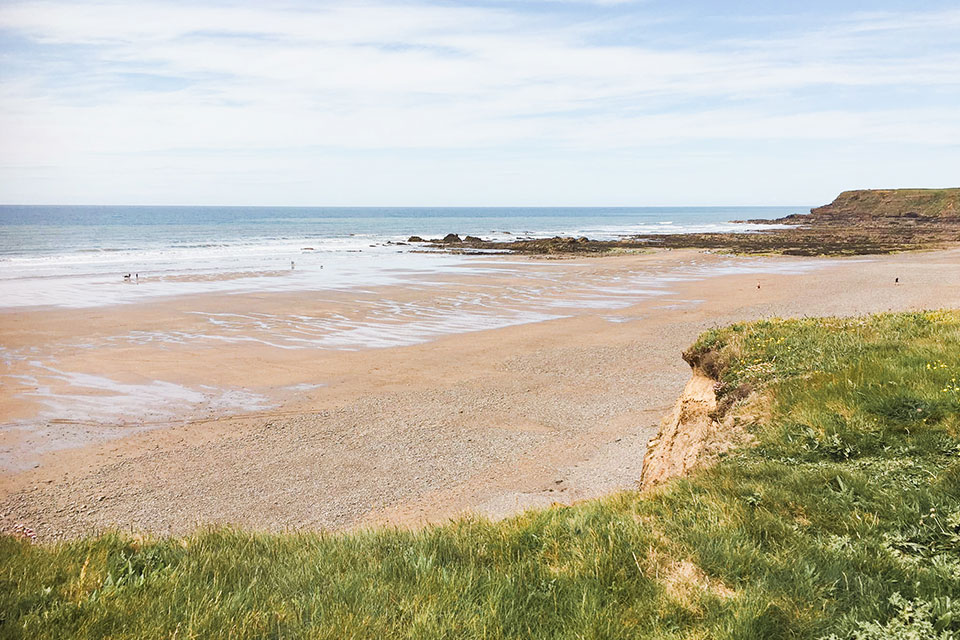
367	78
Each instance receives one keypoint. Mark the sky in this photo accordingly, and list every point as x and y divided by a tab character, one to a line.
505	103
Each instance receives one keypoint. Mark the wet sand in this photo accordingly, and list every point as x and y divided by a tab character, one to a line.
274	413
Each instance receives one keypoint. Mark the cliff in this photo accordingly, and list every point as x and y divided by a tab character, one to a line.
885	205
892	203
694	434
685	434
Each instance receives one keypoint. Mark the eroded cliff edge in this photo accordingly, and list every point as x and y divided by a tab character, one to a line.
698	430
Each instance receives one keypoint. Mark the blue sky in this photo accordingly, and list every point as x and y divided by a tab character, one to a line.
475	103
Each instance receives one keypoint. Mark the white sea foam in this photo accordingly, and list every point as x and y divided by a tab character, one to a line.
77	279
62	286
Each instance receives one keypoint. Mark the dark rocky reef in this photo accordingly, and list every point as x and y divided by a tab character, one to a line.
537	246
856	223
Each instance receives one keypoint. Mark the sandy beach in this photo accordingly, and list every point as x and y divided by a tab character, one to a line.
522	384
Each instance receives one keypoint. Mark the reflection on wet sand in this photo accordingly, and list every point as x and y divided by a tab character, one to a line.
171	361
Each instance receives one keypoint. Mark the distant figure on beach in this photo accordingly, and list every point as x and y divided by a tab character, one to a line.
896	281
292	265
127	277
137	278
758	285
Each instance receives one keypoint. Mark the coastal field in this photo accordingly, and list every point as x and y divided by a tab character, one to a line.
841	520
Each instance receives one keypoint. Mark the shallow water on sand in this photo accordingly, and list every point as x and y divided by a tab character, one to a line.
486	294
342	281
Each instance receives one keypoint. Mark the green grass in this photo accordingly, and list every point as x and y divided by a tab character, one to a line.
843	520
886	202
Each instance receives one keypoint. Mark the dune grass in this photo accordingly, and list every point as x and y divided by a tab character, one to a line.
843	521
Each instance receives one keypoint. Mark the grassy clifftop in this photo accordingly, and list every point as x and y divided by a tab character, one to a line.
917	203
843	518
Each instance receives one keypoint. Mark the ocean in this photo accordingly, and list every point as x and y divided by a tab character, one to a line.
76	256
71	376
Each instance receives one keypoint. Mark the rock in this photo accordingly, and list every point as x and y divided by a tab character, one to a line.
691	434
415	239
472	239
451	237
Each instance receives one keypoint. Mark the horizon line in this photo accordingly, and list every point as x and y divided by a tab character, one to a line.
403	206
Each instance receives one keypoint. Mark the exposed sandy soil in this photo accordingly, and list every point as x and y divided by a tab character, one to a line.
489	422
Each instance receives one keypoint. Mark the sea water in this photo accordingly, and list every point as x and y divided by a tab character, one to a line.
77	256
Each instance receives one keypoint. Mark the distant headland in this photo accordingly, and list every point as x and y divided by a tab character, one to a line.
858	222
907	203
927	205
